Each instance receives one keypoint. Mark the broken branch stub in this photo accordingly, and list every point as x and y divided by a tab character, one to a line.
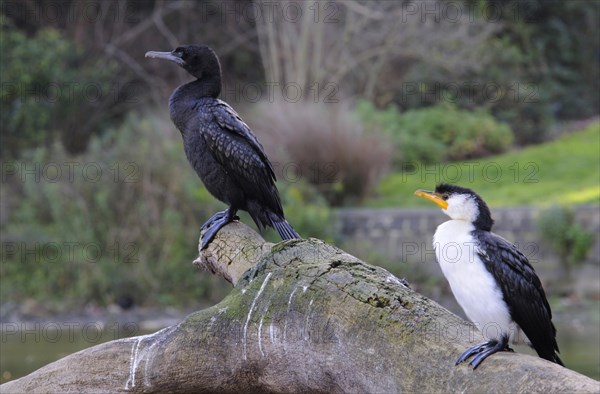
230	257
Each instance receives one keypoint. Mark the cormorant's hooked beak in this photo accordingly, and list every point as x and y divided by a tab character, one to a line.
432	196
170	56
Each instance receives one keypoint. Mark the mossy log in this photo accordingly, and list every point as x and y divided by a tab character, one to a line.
302	316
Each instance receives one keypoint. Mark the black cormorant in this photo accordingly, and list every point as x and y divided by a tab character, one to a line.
491	280
221	147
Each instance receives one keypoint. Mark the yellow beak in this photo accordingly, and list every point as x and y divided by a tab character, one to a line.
432	196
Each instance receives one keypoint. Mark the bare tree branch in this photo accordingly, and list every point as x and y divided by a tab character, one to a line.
348	43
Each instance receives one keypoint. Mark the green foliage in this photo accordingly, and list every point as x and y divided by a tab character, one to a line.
536	175
541	64
124	221
569	240
126	210
437	134
307	210
49	88
561	40
546	63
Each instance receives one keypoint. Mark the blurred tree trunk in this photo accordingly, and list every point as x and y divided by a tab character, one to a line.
306	316
365	48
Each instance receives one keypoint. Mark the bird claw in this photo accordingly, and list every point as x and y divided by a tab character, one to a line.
483	351
216	217
212	226
210	234
471	351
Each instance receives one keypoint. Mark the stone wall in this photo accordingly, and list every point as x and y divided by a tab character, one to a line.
405	235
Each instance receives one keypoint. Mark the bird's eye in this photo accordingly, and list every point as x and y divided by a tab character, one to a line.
179	51
445	196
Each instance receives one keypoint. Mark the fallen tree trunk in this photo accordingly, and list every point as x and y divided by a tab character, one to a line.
303	316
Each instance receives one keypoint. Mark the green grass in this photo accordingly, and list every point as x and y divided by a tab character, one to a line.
564	171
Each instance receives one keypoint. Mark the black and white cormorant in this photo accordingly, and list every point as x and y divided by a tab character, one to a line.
221	147
492	281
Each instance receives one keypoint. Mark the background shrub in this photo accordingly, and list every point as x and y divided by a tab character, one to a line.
54	90
559	41
307	211
437	134
540	65
569	240
137	205
325	145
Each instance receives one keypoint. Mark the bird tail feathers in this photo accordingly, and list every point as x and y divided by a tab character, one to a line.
558	360
264	218
285	230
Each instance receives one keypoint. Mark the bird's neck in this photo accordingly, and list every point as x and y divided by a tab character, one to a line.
185	98
208	86
456	227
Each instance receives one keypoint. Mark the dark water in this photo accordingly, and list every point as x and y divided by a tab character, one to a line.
579	338
27	347
24	351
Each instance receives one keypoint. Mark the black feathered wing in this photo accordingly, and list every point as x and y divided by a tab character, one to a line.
522	291
237	132
234	146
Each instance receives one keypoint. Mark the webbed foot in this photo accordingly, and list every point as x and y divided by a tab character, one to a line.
483	351
215	223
